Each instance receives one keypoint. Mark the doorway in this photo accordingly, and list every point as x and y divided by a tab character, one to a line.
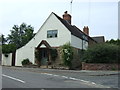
44	56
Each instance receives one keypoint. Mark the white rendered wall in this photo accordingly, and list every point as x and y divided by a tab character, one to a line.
7	60
24	53
77	42
52	23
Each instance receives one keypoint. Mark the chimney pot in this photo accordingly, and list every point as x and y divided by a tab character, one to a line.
67	17
86	30
66	12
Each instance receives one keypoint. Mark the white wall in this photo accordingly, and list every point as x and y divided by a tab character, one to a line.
7	60
52	23
24	53
77	42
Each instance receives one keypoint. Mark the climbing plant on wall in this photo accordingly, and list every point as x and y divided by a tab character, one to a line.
37	57
67	54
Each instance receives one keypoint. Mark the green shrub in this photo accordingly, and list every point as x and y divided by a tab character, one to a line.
67	54
102	53
26	62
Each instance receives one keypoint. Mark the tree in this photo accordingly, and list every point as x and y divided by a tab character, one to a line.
2	39
8	48
112	41
20	35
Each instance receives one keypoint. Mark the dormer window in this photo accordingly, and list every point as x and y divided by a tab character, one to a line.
52	33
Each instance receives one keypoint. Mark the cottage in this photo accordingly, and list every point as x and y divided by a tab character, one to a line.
54	32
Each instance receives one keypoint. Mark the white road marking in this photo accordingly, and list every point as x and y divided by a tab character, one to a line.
80	80
56	75
13	78
50	74
84	81
47	74
93	83
73	78
64	77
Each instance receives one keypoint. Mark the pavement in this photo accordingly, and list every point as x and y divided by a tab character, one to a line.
104	79
83	72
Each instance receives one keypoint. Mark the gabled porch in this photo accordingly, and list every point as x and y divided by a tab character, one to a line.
42	54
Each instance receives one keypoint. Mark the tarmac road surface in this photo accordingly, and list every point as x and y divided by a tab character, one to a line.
43	78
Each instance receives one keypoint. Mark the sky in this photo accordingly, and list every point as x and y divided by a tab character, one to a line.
101	16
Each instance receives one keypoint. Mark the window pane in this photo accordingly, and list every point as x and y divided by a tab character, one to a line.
56	35
49	32
52	33
84	37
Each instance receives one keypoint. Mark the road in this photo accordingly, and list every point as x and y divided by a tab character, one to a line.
41	78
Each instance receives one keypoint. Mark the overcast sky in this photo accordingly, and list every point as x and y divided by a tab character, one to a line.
101	17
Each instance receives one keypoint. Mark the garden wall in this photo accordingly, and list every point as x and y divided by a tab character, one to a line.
94	66
7	59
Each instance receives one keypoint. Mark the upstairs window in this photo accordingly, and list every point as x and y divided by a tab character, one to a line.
85	37
52	33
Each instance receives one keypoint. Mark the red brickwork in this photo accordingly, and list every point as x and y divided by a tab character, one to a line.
93	66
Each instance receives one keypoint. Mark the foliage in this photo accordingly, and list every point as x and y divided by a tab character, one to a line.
37	57
8	48
26	62
2	39
20	35
102	53
54	54
112	41
67	54
0	49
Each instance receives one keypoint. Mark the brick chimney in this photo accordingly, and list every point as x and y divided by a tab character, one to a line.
86	30
67	17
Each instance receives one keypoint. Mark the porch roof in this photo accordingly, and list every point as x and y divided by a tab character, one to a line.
44	42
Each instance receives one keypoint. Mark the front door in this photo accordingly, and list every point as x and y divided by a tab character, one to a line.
44	56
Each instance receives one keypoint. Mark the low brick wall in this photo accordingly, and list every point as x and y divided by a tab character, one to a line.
93	66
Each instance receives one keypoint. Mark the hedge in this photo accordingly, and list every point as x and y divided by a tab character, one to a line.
102	53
